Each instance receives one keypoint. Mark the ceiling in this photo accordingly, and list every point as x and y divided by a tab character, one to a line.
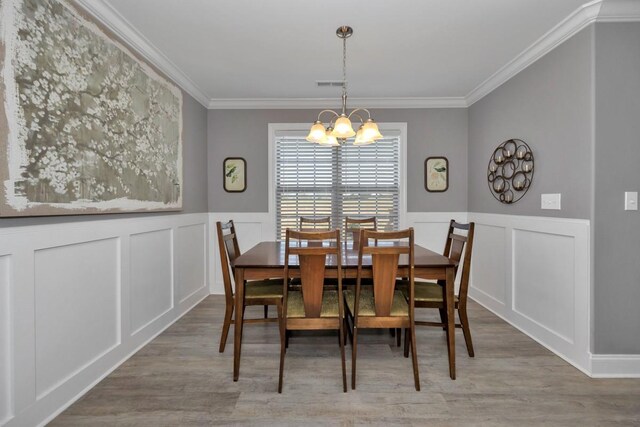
231	49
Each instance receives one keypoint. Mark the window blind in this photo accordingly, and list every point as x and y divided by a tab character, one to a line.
317	181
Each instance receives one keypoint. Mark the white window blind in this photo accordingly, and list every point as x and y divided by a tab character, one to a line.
317	181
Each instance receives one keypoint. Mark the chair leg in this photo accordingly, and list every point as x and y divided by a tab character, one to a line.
344	364
348	329
280	320
266	311
354	354
282	353
414	357
398	336
462	312
228	313
286	339
443	317
406	343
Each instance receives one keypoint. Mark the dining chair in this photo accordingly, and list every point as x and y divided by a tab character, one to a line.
313	307
432	294
352	227
382	305
257	292
314	224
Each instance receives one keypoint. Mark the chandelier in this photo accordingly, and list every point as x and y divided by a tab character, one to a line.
339	127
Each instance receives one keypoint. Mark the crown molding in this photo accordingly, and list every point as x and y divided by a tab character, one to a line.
620	11
588	13
286	103
118	24
576	21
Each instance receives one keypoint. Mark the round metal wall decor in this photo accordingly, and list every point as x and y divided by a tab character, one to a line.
510	171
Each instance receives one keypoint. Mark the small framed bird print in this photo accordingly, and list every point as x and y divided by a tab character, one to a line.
235	174
436	174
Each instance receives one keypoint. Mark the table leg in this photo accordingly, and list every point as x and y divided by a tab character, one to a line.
451	321
237	324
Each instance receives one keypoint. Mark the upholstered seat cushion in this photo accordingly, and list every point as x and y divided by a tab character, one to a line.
399	306
424	291
270	288
295	304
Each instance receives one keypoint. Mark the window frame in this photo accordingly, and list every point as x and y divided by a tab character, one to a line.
303	128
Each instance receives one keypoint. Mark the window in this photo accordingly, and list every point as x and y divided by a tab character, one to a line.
312	180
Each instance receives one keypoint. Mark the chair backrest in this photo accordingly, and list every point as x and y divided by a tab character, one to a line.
455	247
314	224
385	256
229	252
352	227
312	261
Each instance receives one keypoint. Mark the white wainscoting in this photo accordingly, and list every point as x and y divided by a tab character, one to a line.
77	299
534	272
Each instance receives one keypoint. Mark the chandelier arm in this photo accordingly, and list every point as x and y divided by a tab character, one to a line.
357	115
328	111
360	109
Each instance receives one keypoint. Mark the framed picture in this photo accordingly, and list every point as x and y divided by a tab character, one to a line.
67	96
235	174
436	174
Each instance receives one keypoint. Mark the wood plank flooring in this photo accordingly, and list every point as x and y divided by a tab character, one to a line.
181	379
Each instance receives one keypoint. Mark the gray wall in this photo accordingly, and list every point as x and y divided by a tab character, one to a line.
548	105
195	172
617	232
430	132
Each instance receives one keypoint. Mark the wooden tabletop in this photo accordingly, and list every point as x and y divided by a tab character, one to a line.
271	254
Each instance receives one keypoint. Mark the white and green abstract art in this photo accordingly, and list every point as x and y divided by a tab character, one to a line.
86	126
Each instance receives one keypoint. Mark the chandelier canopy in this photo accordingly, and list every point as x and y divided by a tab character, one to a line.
340	127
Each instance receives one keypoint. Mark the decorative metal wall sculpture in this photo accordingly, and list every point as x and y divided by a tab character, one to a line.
86	126
510	171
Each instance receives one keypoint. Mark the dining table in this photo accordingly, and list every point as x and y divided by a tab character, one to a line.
266	261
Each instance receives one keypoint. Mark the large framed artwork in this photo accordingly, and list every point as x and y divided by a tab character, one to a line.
86	125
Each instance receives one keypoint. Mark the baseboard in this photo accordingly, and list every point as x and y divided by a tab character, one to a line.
615	365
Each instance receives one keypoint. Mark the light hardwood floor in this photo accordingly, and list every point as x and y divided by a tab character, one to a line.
181	379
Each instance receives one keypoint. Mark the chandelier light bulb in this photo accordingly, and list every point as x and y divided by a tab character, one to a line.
317	133
329	140
360	140
343	128
370	131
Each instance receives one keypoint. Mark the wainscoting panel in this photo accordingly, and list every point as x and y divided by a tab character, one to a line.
78	299
77	307
544	280
151	265
191	258
534	272
488	267
6	365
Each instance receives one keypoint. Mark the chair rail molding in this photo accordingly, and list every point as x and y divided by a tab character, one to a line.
78	299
